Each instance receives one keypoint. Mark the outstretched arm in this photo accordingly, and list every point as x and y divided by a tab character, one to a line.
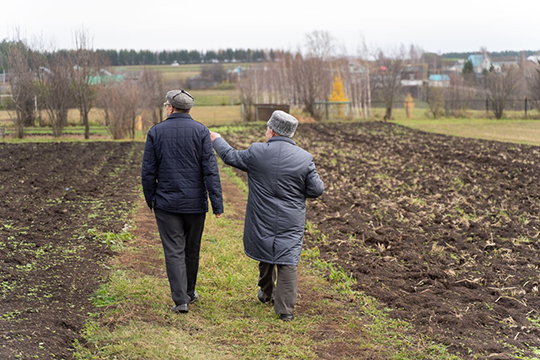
237	158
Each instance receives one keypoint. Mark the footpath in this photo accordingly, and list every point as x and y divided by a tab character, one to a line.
229	322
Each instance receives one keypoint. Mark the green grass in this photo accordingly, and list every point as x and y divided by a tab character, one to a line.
228	322
515	131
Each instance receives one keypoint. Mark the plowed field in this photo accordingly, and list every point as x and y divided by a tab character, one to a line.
441	230
55	201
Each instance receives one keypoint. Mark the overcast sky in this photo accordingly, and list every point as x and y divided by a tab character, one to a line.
458	25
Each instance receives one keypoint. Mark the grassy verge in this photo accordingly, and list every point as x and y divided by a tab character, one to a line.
515	131
228	322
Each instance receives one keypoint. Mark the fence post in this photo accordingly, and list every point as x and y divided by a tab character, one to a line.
487	106
326	105
3	132
447	108
526	108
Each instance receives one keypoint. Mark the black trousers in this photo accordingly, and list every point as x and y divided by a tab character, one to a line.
181	239
284	290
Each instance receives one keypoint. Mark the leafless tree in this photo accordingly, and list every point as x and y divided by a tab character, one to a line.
434	98
502	87
320	45
532	74
213	72
152	90
120	103
387	79
247	85
55	89
456	96
23	90
86	65
313	80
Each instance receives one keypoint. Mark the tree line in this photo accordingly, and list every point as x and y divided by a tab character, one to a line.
146	57
383	77
494	54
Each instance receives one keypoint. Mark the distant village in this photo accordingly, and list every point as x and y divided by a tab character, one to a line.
446	85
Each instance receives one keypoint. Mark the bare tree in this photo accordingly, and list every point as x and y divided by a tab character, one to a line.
86	65
152	90
320	45
120	103
23	90
387	80
55	89
434	98
456	96
312	79
247	85
533	82
501	87
213	72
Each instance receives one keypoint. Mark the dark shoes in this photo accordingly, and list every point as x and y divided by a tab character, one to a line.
182	308
194	298
286	317
261	298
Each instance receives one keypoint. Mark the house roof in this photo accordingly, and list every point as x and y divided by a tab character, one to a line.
438	77
534	58
476	60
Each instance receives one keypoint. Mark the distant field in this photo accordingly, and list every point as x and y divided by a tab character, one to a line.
217	115
515	131
175	73
423	113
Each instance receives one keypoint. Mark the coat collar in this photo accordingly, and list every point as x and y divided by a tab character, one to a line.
282	138
179	116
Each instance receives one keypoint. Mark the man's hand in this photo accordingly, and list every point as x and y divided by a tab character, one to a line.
219	215
214	136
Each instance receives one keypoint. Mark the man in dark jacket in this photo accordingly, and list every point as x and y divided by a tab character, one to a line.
280	178
179	171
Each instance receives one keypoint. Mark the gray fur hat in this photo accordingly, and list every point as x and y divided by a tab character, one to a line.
180	99
282	123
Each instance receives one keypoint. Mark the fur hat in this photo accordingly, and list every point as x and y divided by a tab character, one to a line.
282	123
180	99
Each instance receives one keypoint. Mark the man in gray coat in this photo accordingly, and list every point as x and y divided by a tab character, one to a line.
280	178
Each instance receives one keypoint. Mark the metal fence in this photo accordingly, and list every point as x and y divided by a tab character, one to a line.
524	105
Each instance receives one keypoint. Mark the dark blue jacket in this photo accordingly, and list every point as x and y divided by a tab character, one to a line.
280	178
179	168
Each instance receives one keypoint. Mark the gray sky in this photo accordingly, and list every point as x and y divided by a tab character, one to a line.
458	25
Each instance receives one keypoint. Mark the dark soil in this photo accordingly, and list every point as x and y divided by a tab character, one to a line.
441	230
50	265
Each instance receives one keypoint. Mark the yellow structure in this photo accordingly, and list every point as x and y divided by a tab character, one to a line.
338	94
138	123
409	106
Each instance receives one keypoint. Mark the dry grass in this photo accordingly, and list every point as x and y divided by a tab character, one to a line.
217	115
208	115
515	131
74	117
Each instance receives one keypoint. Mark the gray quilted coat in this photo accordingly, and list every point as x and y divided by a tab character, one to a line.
280	178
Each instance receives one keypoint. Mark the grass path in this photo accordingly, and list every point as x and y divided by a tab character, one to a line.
229	322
